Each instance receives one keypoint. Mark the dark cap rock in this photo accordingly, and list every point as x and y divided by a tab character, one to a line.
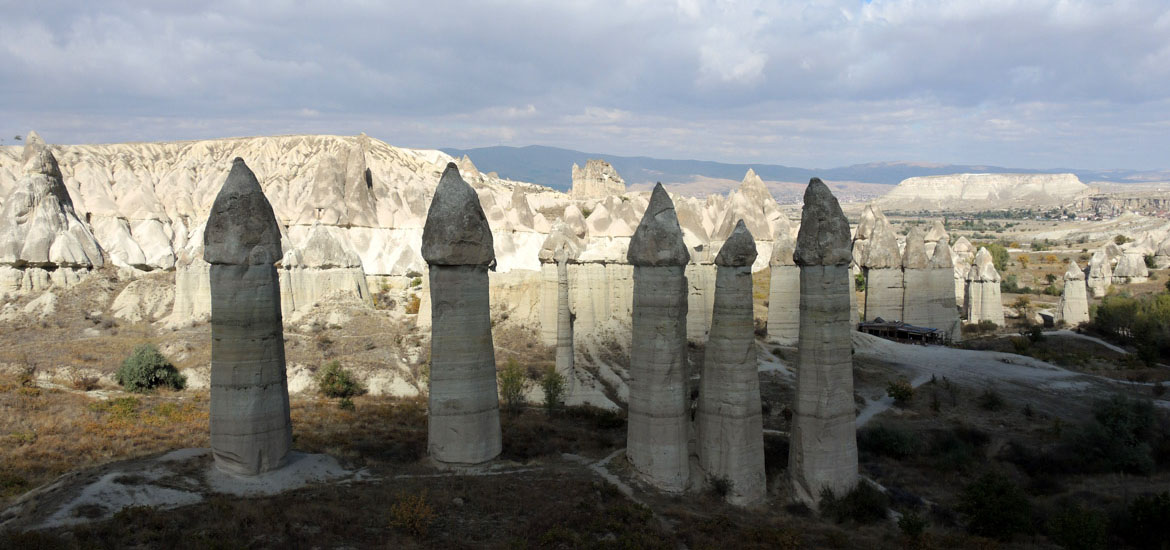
823	238
241	229
739	250
658	240
456	231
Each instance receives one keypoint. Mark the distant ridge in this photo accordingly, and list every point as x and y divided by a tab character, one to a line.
551	166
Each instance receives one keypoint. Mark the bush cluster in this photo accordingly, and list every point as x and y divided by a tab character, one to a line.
862	504
336	381
146	368
1143	321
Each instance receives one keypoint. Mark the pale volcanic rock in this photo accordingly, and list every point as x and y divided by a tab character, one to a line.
598	179
341	190
1113	253
1162	254
983	301
42	241
468	171
823	449
916	275
700	274
936	233
963	253
784	292
729	420
143	300
659	416
981	191
884	284
752	204
575	220
464	411
561	248
251	432
1100	274
1131	268
1074	300
323	266
940	292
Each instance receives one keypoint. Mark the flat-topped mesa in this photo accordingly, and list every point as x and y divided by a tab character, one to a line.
464	410
983	301
1074	300
728	421
456	231
1131	268
1100	273
784	291
823	451
884	282
916	298
659	413
940	290
251	431
658	240
42	240
596	181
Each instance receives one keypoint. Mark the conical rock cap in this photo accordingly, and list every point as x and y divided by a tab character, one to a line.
824	231
914	257
241	229
1074	272
456	231
658	240
739	250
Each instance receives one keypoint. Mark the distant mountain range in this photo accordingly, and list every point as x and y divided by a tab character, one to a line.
552	166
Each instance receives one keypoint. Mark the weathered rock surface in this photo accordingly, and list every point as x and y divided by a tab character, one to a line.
982	191
464	410
823	451
884	284
940	290
251	432
1074	300
1100	273
936	233
1162	254
963	253
784	292
1131	268
597	180
729	422
657	433
324	266
916	275
983	301
42	241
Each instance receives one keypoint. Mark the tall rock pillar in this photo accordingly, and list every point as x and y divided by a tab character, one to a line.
823	452
730	424
656	438
561	247
944	314
464	421
983	301
916	306
784	294
884	285
251	431
1074	301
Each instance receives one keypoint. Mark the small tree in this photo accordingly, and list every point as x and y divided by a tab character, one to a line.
337	381
1023	304
901	391
146	368
513	382
1023	259
553	385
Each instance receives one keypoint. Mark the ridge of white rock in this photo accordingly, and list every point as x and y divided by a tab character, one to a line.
729	423
1074	300
659	416
980	191
597	180
251	430
823	452
983	300
463	423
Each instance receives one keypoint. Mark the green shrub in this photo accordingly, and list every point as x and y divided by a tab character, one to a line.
513	381
337	381
1150	262
885	441
1077	528
996	507
990	400
1120	438
1146	522
901	391
553	384
859	282
146	368
862	504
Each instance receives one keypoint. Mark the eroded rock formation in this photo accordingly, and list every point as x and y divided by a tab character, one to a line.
940	289
729	422
597	180
823	451
784	292
464	421
1074	300
1100	273
656	441
1131	268
983	301
323	266
916	300
884	285
251	432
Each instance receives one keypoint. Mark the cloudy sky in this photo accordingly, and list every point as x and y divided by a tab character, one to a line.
1029	83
